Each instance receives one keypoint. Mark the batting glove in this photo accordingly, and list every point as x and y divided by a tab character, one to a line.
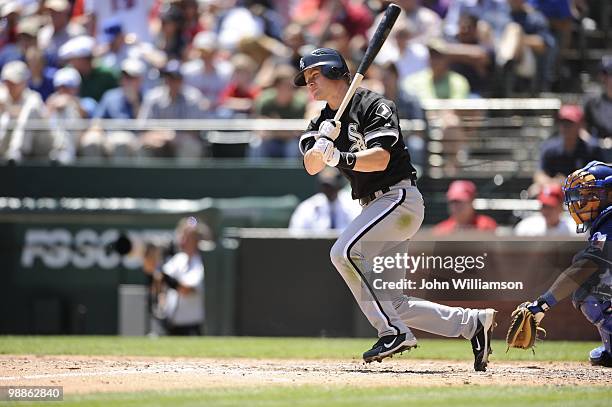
329	129
329	153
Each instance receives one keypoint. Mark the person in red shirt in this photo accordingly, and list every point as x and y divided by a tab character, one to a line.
460	197
239	95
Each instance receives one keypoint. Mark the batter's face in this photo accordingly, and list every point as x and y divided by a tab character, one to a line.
320	87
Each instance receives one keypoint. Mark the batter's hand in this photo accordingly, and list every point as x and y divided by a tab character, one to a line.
323	147
329	153
329	129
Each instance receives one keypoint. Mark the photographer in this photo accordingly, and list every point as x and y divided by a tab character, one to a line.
178	284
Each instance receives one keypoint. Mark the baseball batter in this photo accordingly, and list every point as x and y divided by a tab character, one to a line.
367	147
588	195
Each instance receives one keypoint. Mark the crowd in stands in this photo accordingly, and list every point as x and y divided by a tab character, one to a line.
62	60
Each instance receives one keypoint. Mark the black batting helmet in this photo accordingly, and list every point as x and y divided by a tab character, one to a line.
331	62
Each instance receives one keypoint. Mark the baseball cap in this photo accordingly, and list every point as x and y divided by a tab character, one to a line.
572	113
9	8
461	190
111	28
57	5
551	195
68	77
28	26
77	47
133	67
15	72
205	40
172	68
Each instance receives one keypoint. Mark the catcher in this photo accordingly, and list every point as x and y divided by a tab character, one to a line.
588	195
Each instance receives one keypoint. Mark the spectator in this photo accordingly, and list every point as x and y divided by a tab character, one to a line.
54	35
170	36
460	197
210	74
41	78
412	56
598	110
415	25
551	220
559	16
330	209
9	32
495	13
438	81
172	100
537	43
565	151
408	107
269	17
133	16
236	23
317	15
428	24
64	107
281	101
78	52
471	57
239	95
115	47
119	103
10	12
191	24
124	102
19	106
293	37
183	277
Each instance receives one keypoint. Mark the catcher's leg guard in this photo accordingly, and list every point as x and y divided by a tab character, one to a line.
599	313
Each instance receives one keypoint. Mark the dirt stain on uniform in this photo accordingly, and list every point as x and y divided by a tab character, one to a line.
404	221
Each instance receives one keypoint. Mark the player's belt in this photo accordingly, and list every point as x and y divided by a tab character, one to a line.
367	199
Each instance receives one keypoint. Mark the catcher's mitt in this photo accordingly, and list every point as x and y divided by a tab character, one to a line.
524	328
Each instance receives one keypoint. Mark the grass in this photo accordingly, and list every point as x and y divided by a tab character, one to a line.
272	348
354	397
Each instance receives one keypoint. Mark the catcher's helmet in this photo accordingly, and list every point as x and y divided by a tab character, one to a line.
586	193
331	62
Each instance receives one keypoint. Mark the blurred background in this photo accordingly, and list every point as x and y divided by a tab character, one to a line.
151	182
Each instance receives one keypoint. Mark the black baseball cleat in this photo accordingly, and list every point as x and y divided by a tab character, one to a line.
389	345
600	357
481	341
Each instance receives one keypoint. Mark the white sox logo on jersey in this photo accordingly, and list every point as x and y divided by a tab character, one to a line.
356	138
384	111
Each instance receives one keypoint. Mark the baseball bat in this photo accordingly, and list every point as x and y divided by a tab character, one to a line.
381	34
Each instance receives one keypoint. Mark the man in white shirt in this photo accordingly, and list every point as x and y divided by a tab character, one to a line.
332	208
19	106
552	219
133	15
183	275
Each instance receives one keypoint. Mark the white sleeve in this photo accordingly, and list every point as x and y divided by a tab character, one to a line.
194	276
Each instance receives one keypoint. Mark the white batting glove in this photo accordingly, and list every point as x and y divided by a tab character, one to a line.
329	153
330	129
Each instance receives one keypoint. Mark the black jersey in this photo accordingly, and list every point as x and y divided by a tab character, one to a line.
369	121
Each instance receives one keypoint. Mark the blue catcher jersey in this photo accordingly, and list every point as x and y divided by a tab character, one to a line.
598	251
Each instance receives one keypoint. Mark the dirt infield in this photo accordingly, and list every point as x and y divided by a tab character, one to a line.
86	374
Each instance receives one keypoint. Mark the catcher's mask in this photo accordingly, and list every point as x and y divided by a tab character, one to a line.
331	62
586	193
